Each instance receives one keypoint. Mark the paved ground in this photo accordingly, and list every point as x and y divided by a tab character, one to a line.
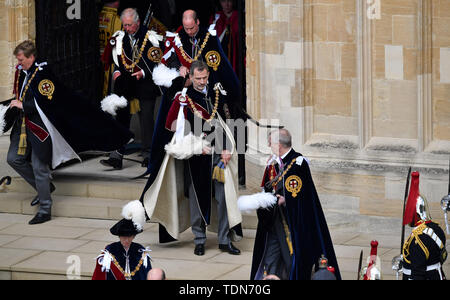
53	249
67	247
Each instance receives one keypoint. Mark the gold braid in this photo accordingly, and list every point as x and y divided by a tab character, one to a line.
199	114
190	60
274	185
133	65
128	275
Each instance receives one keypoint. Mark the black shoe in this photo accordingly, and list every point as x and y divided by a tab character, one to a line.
199	249
145	163
230	248
112	162
40	218
36	200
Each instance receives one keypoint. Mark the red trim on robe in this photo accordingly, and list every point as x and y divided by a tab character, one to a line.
37	130
175	108
99	275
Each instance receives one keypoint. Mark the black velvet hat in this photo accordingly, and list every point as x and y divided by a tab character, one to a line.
124	228
133	221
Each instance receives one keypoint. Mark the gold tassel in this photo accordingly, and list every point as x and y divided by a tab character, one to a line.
23	140
288	234
219	173
134	106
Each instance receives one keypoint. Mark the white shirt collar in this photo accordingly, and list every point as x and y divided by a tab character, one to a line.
284	155
277	158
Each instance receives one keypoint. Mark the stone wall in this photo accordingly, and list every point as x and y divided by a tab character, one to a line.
17	23
364	87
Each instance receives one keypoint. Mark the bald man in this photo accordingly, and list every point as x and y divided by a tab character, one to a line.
156	274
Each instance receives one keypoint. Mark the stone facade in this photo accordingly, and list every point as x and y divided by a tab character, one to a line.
363	85
17	23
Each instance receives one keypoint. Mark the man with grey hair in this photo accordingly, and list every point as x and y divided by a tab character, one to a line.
135	52
292	235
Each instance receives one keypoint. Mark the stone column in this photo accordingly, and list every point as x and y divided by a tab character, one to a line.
17	23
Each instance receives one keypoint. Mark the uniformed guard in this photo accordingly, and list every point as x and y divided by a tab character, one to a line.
373	269
424	251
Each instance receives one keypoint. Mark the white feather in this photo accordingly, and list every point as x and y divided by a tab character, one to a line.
249	203
190	145
112	103
3	109
163	76
135	212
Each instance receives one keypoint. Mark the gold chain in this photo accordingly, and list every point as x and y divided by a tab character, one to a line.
199	114
133	65
127	275
26	87
190	60
284	173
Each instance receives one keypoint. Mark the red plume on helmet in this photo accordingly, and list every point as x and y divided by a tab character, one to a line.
410	211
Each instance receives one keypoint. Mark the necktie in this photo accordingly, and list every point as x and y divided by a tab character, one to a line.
281	165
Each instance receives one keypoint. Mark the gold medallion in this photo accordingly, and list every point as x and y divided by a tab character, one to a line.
294	185
46	88
213	59
155	54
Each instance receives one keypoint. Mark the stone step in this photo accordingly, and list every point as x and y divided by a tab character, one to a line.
101	200
88	188
64	206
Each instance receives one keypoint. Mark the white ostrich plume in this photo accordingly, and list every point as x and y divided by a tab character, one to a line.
249	203
135	212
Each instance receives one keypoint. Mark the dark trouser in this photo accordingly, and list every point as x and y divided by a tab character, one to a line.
146	123
197	222
277	259
36	172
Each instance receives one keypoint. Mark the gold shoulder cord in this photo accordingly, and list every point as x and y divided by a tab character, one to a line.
415	235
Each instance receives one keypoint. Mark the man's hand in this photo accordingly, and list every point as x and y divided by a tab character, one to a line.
115	75
16	103
206	150
226	156
138	75
184	71
281	200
